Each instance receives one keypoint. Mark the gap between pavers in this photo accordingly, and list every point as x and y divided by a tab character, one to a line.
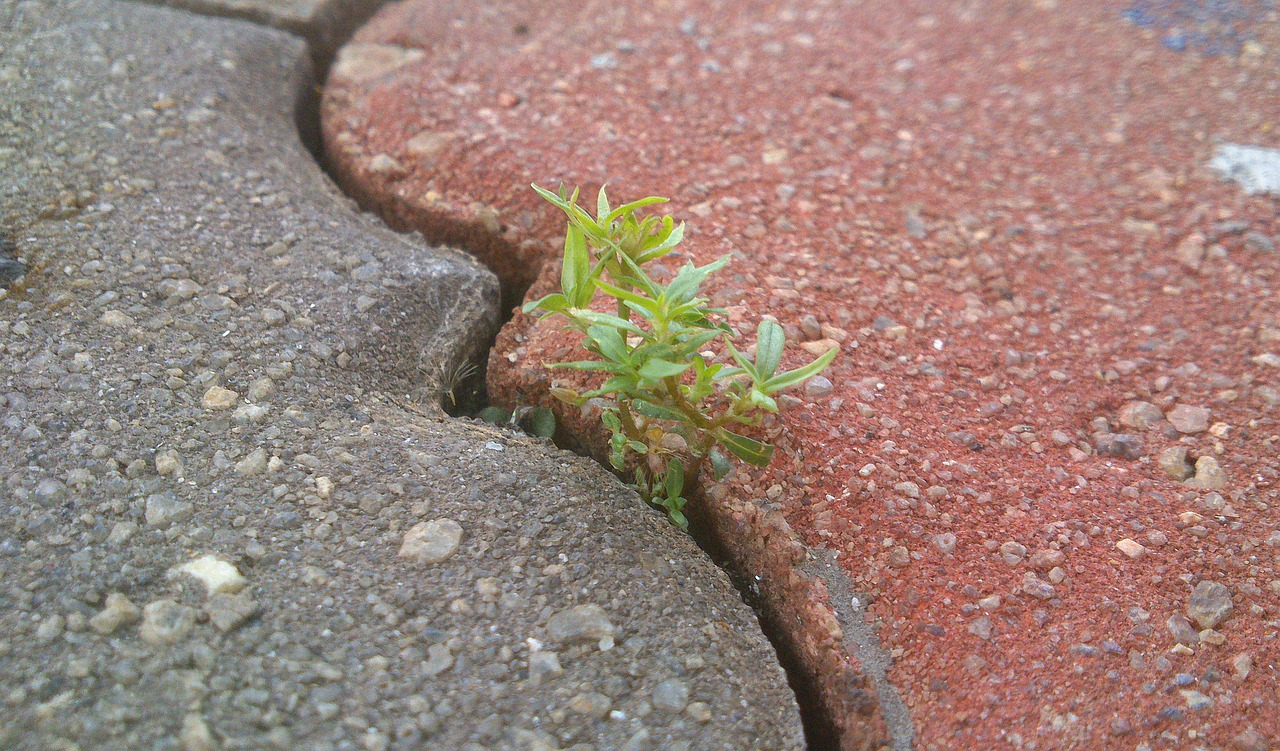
215	358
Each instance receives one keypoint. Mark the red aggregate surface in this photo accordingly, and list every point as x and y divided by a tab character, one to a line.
1002	213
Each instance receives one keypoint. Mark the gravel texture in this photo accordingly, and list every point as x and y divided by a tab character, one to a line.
1048	262
232	515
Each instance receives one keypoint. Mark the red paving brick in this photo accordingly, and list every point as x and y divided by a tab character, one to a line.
1003	211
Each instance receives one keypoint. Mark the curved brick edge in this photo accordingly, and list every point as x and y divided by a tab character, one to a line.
515	260
758	542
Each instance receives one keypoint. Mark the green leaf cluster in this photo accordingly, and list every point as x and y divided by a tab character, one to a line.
669	410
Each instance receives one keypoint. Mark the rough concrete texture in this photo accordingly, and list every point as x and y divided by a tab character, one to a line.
233	516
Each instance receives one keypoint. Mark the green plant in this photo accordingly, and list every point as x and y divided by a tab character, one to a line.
668	408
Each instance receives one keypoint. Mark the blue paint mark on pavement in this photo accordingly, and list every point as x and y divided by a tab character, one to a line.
1211	27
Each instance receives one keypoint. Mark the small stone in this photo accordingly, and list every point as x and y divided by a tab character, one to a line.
543	665
168	464
247	414
431	542
1270	359
216	575
1196	701
50	628
261	389
165	509
385	164
1013	552
1032	585
253	464
358	63
117	612
217	398
1215	638
818	387
375	740
1140	415
580	623
1242	665
591	704
1174	463
899	557
990	604
166	622
974	664
115	319
439	659
1182	631
699	711
671	695
945	543
1256	242
227	611
195	734
820	347
981	628
1209	475
1210	604
1190	251
1188	419
1044	560
1119	445
1250	740
1131	548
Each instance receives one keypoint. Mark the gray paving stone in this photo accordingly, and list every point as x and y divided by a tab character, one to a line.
205	328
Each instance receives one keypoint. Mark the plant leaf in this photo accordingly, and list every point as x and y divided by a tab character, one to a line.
675	480
495	415
591	366
666	246
631	208
575	274
553	303
792	377
747	449
659	411
607	319
770	341
610	342
602	208
748	367
657	369
623	383
540	421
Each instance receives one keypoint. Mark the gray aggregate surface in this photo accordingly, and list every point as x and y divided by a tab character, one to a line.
232	515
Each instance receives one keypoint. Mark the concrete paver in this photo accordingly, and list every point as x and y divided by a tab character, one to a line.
233	514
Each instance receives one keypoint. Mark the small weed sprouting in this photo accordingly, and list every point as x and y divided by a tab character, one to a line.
669	410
